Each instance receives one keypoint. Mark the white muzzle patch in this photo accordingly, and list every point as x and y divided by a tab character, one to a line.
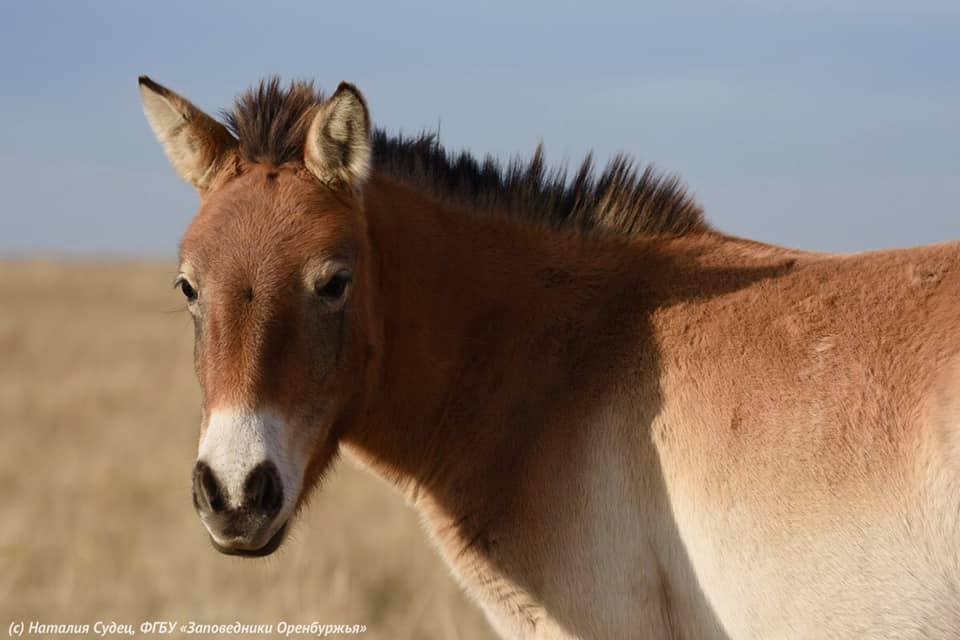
236	442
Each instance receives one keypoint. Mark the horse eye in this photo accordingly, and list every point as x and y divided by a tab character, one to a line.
334	288
188	291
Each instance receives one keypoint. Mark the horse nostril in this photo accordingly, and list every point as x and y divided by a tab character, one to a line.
263	490
207	494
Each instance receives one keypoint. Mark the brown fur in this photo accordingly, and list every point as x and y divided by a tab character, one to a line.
608	434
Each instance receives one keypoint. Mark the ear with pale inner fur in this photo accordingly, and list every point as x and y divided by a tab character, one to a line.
338	143
196	144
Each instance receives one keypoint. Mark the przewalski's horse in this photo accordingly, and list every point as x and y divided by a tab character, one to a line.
615	421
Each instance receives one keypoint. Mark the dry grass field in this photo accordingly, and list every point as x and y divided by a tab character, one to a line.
99	413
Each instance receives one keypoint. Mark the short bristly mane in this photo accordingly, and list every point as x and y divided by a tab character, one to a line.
271	121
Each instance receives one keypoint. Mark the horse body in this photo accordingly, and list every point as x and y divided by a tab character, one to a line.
607	434
735	446
801	438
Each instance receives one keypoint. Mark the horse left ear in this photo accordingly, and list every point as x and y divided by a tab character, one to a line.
338	144
196	144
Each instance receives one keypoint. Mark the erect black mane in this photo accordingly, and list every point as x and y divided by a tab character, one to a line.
271	123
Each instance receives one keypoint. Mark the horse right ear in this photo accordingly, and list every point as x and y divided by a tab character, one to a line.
338	146
196	144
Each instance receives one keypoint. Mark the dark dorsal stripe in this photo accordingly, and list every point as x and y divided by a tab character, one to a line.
271	122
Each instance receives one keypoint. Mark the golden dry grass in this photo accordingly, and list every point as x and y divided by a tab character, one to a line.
99	412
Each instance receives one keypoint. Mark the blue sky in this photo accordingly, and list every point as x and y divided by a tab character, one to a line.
832	126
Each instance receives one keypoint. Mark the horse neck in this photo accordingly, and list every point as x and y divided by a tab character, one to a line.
481	318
